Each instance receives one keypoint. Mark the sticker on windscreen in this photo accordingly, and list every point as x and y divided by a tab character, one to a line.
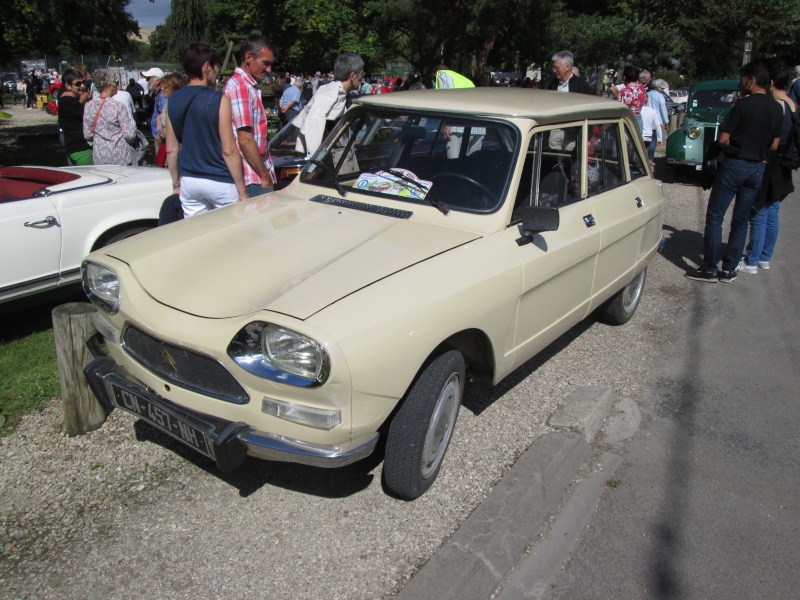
396	182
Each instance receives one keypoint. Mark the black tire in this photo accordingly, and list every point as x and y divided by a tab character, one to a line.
620	308
421	430
123	235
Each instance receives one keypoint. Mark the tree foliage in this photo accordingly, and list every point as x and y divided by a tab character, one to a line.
699	40
30	28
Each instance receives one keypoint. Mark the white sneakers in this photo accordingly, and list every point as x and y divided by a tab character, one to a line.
745	268
763	264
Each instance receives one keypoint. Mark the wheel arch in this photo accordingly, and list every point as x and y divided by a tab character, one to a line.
108	235
476	348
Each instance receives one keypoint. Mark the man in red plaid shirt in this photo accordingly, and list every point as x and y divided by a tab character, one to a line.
249	118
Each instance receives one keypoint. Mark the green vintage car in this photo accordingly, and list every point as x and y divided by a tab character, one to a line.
708	105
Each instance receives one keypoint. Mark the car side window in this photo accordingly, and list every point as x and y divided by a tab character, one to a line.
636	163
557	180
604	170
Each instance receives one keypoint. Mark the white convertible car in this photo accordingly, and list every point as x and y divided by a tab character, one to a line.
50	218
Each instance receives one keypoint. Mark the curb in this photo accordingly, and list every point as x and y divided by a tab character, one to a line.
490	543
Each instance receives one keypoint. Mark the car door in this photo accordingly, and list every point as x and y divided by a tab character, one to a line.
650	195
620	211
558	266
30	246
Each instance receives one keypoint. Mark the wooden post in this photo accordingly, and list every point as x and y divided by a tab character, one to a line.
72	326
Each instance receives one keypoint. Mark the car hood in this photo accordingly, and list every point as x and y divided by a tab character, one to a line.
280	253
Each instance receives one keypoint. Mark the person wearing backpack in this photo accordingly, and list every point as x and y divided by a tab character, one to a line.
777	182
306	91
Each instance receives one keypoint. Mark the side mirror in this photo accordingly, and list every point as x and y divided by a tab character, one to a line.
536	219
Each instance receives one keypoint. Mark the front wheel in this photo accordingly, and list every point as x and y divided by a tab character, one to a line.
622	305
421	430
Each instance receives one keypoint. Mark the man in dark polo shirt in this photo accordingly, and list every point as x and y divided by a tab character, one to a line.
747	135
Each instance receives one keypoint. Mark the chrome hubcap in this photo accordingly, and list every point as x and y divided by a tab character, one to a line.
440	428
630	297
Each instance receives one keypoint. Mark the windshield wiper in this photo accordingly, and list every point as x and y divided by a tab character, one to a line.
339	186
435	203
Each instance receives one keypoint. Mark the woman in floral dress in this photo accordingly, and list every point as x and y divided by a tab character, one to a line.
108	125
633	94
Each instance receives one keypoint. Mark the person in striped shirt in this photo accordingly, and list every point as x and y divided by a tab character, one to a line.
249	119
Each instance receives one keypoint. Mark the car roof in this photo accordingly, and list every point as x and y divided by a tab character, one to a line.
492	101
717	84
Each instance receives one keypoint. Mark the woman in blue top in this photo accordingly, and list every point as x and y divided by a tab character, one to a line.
202	156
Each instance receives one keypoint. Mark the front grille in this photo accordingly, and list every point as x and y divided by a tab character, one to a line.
184	368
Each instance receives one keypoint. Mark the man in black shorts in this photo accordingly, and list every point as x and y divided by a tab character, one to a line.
747	135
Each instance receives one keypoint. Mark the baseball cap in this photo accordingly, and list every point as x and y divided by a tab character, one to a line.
153	72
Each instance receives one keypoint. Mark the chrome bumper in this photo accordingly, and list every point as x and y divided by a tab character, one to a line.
229	443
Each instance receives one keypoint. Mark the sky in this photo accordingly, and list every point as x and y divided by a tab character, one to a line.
149	14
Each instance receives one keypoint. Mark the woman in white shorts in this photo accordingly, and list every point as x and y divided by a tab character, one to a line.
202	156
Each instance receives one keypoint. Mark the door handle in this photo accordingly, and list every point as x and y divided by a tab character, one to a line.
589	220
639	202
46	221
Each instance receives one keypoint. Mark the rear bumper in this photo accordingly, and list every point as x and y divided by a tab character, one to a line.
228	443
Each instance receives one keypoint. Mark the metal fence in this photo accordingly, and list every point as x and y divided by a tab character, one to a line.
126	67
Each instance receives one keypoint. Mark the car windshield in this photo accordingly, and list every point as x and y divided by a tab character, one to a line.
452	162
714	98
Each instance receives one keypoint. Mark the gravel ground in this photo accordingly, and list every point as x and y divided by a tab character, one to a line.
128	513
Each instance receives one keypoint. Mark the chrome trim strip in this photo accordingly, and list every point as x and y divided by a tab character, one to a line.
269	446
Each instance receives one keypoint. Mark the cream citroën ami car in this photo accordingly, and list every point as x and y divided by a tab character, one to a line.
435	233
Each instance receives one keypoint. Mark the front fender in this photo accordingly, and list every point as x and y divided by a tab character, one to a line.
681	149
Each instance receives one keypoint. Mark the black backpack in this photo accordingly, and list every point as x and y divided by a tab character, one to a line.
306	92
790	157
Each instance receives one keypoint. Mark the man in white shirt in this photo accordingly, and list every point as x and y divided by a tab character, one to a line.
651	131
126	100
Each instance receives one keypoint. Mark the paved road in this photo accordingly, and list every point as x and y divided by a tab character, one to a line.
708	503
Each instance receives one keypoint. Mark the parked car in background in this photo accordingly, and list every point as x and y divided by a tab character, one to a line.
50	218
431	238
287	161
680	95
10	81
707	106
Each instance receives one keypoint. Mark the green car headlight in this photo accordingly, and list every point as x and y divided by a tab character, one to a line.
280	354
694	131
101	285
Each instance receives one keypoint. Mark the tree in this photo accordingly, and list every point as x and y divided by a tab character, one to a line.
37	27
185	24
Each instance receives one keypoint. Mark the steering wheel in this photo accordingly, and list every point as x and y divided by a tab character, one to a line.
488	193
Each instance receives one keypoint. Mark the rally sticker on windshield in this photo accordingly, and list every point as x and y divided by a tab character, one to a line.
397	182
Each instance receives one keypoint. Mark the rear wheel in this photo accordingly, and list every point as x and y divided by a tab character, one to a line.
421	430
621	307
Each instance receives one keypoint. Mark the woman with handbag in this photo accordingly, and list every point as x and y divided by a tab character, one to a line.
108	125
169	84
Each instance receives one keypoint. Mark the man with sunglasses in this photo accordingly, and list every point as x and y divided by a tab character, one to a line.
248	115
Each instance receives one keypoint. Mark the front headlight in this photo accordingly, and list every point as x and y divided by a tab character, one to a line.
280	354
694	131
101	285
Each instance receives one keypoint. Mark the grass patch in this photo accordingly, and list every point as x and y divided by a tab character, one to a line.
29	372
613	483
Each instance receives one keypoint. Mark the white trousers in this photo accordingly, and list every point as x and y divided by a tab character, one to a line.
201	195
